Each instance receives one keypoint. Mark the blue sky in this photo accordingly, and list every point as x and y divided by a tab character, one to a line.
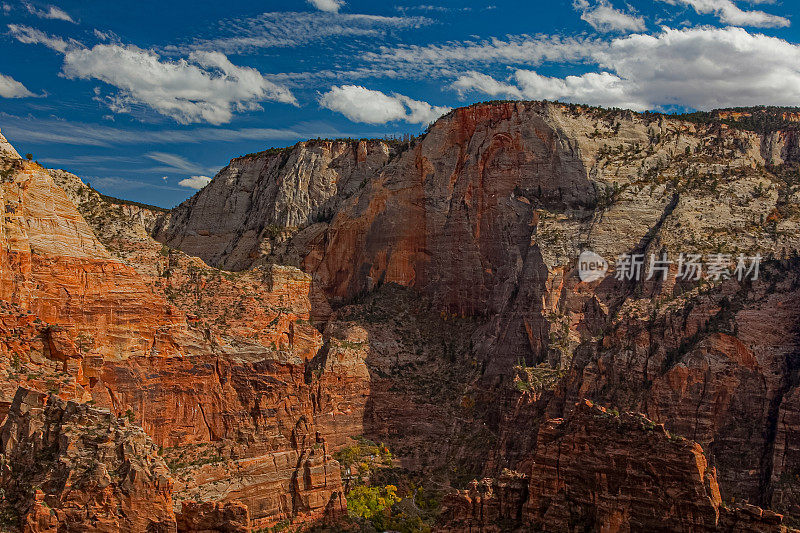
147	100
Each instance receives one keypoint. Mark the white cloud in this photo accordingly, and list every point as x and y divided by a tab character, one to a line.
729	13
701	68
329	6
206	87
602	88
52	12
195	182
11	88
603	17
360	104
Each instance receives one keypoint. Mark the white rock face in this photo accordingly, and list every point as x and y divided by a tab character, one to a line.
230	221
6	150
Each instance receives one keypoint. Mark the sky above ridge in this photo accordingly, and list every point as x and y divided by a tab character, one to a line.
148	100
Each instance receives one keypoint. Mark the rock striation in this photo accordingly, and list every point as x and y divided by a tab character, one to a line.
92	309
244	213
433	298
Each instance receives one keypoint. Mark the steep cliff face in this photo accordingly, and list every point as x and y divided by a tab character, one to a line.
206	361
489	209
259	199
54	266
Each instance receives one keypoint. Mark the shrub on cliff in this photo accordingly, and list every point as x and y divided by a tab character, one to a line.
372	503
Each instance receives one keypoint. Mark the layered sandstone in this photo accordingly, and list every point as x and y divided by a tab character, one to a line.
95	310
466	325
54	266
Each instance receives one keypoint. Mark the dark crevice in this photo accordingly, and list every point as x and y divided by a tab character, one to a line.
789	381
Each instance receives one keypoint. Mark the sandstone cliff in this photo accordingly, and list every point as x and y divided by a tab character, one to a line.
459	329
259	199
92	309
485	216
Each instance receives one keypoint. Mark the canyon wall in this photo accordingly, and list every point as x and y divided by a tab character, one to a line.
425	295
485	216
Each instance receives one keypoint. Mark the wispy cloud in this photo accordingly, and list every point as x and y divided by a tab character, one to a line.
28	35
116	184
456	55
50	12
729	13
27	129
286	30
604	17
176	162
11	88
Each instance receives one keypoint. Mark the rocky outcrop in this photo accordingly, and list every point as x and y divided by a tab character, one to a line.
6	150
70	467
604	471
54	266
232	430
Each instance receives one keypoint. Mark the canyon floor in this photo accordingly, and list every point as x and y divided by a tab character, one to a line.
371	335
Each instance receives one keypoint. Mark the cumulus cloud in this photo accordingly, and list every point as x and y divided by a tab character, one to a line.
52	12
11	88
701	68
205	87
604	17
360	104
195	182
729	13
329	6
